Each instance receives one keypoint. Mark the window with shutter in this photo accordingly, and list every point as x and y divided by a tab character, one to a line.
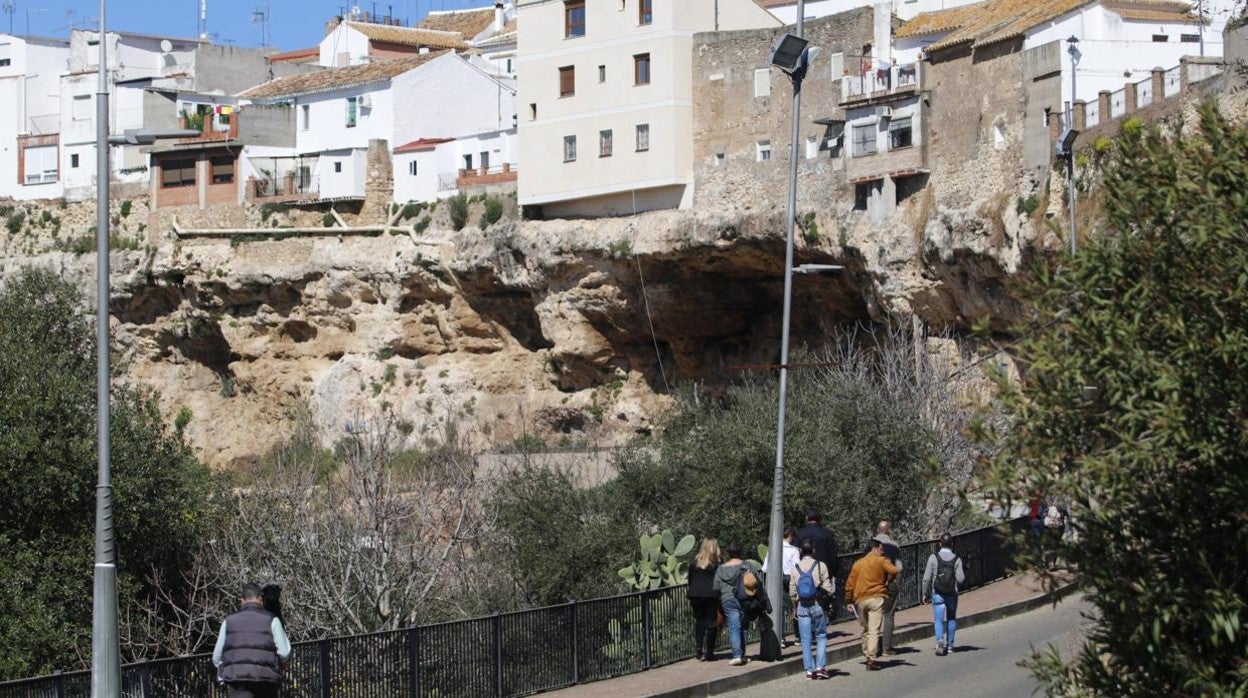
567	81
573	18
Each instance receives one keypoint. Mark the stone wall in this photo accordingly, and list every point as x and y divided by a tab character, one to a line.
730	121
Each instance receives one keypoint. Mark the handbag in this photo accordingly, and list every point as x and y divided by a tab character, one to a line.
719	618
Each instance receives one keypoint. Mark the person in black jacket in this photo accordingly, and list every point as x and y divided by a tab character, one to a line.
704	600
251	649
824	545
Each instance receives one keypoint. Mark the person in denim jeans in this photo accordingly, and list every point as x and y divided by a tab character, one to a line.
812	621
942	591
737	614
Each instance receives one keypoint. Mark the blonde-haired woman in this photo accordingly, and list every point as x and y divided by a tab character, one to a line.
704	599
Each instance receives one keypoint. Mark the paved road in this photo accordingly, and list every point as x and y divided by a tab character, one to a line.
985	665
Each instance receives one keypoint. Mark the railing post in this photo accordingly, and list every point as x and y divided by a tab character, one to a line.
413	661
498	654
576	644
56	682
645	629
322	666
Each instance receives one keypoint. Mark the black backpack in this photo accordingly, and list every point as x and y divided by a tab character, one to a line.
946	581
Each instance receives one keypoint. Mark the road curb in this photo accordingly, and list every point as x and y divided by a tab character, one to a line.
793	665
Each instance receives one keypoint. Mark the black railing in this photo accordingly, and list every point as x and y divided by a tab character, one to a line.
510	654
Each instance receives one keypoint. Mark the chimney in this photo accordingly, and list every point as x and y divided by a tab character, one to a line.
498	16
332	24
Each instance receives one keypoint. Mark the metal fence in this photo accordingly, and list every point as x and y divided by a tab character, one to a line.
510	654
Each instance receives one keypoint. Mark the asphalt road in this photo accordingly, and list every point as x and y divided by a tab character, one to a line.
986	663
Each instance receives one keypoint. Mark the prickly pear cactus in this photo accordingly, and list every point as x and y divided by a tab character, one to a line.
659	562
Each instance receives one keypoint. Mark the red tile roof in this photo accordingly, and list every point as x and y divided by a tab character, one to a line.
296	55
421	144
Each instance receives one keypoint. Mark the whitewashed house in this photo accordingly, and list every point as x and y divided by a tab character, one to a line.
354	41
30	75
439	100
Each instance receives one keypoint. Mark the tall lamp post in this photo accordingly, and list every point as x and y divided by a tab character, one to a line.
1066	143
791	56
105	640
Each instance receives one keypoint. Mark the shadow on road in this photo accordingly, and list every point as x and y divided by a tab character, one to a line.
966	648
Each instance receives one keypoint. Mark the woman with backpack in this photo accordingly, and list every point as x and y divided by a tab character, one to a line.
704	599
741	596
808	582
943	577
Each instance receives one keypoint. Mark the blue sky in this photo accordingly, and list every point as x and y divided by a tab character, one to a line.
292	24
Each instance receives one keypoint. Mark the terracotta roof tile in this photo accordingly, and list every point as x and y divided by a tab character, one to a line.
410	36
467	23
337	78
421	144
296	55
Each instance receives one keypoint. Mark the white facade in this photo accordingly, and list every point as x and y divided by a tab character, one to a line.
497	45
617	144
344	46
30	74
903	9
432	172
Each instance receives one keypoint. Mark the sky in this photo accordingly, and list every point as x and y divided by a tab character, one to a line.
292	23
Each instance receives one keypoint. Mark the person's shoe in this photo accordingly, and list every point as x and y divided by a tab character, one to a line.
872	665
941	649
737	661
811	675
708	657
950	649
697	654
822	673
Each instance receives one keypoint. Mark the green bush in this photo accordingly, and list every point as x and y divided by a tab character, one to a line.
493	211
459	211
411	210
1132	410
328	220
125	208
422	224
15	222
1025	206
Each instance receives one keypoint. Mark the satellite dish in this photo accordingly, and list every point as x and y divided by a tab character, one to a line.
166	45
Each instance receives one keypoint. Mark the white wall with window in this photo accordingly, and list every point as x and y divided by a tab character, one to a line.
40	164
329	116
883	129
341	173
30	70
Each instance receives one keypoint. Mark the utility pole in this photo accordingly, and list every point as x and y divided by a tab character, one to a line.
105	651
1073	50
10	8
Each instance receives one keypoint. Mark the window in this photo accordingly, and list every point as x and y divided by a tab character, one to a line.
82	107
812	147
6	55
39	164
1160	38
353	111
718	160
411	168
177	173
900	134
862	195
305	177
604	143
641	69
762	82
1189	38
643	137
573	19
533	111
836	66
864	140
468	161
762	151
73	161
484	159
338	166
569	148
5	62
567	81
222	169
305	117
645	11
602	73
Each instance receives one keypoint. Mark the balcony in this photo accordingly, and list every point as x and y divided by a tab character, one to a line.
880	84
478	176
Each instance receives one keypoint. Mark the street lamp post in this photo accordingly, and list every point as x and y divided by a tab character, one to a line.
789	54
1072	49
105	639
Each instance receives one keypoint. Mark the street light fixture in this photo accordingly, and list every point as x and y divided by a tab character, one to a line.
786	54
105	639
1066	142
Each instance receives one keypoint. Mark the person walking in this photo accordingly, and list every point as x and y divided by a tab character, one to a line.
788	559
825	548
808	581
741	596
942	578
865	593
704	599
251	649
892	551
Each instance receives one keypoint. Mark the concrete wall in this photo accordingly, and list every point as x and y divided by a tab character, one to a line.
1042	88
267	125
230	69
730	121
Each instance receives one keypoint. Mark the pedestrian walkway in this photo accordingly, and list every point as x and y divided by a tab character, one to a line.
998	600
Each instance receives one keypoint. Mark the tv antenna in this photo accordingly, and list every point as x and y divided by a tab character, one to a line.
260	17
202	19
10	8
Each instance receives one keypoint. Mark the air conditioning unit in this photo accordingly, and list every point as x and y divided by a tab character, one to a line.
884	112
366	101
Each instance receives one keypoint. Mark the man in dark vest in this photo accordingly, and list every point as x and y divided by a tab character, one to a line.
251	649
824	545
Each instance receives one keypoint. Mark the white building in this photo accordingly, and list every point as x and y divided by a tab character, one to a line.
786	10
352	42
606	100
1119	40
406	102
30	76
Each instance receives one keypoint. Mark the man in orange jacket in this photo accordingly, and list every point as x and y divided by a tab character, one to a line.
865	592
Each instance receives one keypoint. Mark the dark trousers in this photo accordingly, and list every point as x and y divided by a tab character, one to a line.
252	689
704	631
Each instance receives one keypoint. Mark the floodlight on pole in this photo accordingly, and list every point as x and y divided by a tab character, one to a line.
786	54
148	136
